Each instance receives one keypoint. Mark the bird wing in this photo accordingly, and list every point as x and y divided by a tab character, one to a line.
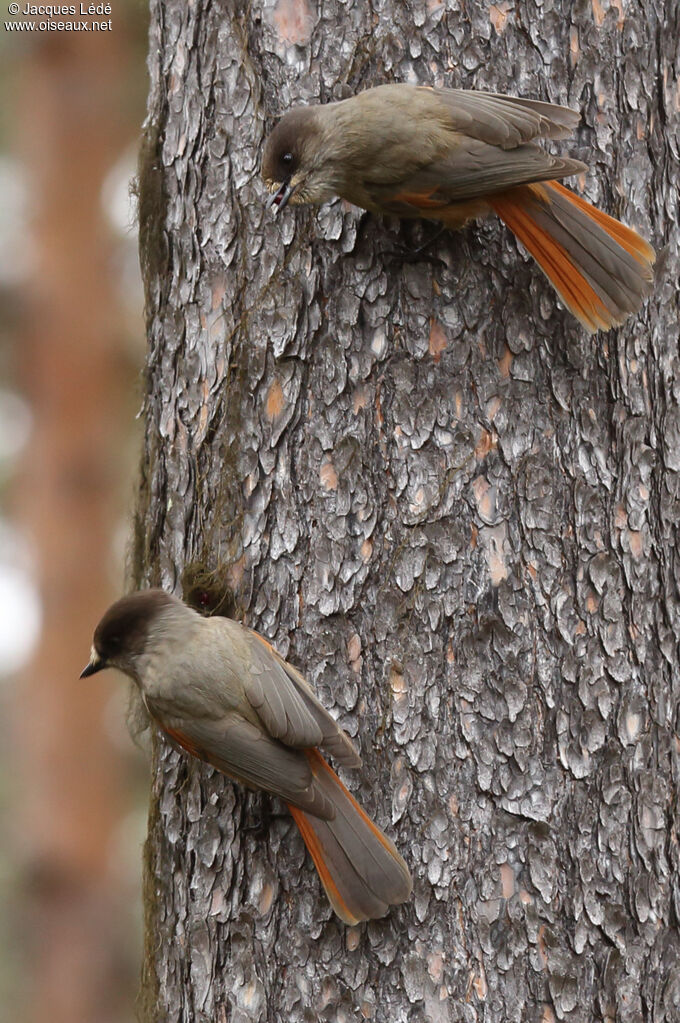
393	111
439	146
288	707
505	121
244	752
469	170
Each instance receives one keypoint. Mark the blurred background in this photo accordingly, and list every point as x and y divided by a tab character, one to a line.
72	785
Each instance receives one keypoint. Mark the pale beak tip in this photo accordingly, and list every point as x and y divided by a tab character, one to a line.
280	197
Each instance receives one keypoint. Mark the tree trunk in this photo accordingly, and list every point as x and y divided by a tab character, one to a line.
446	504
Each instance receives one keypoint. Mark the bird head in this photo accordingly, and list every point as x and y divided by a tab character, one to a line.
124	632
294	165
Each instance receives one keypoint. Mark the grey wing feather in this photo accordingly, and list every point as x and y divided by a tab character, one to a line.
288	708
244	752
506	121
475	169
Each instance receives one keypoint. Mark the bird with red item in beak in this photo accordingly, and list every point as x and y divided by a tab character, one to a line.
454	155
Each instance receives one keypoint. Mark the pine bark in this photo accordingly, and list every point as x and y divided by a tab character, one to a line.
443	501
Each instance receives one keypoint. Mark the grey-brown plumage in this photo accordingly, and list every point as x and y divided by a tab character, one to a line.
453	155
222	693
463	143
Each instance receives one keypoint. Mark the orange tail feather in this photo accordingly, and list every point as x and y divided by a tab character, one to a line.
601	269
359	867
625	236
315	850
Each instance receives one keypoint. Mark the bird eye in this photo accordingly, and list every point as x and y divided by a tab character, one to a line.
287	159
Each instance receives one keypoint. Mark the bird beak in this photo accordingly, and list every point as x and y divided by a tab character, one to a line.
96	664
280	198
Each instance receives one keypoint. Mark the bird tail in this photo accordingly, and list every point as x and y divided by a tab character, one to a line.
601	269
359	867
